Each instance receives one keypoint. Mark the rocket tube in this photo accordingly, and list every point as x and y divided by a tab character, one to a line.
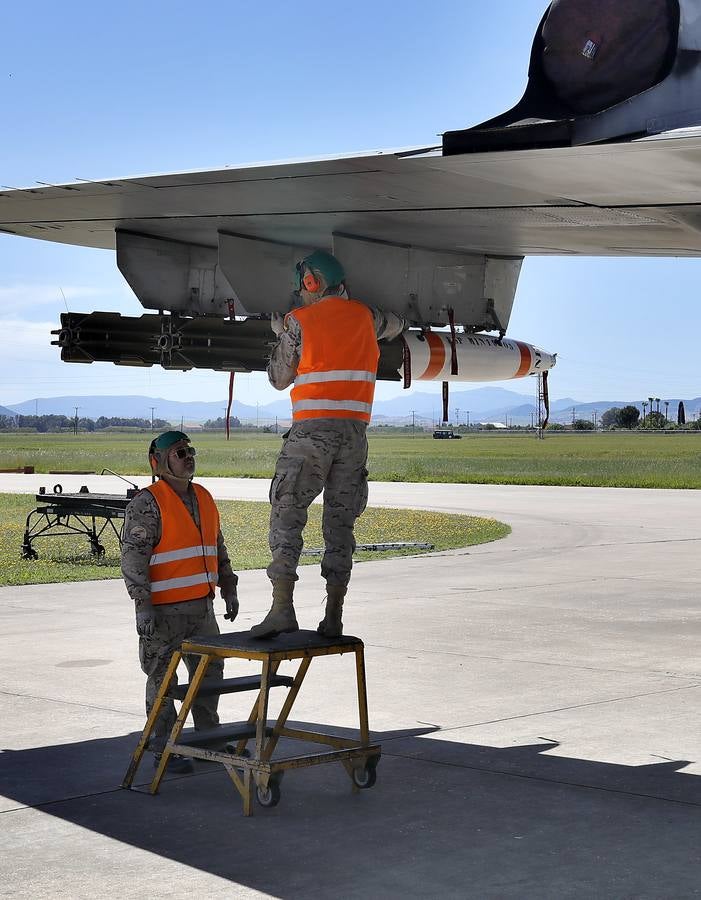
480	357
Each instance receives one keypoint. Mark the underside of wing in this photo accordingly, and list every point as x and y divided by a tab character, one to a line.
446	219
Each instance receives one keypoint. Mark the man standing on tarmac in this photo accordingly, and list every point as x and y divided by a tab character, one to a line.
173	556
328	347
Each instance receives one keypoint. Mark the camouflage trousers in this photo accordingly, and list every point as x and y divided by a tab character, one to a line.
170	630
328	455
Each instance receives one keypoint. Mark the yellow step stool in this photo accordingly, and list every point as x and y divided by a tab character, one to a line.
259	770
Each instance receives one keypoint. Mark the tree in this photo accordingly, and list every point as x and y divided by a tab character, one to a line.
628	417
611	417
220	423
654	419
681	415
583	425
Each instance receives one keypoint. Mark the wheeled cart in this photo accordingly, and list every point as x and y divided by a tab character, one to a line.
257	771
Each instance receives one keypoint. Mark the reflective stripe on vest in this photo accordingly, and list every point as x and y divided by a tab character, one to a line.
186	581
185	553
337	375
350	405
338	364
184	564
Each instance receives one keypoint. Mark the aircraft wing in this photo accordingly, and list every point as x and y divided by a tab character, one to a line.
640	197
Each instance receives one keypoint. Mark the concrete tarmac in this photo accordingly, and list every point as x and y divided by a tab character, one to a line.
537	701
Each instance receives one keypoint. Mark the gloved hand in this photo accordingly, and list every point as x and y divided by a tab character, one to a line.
144	623
277	323
232	606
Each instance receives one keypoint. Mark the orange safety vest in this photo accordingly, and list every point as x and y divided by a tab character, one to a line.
184	564
338	366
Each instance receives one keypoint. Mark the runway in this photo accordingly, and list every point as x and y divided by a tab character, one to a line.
537	701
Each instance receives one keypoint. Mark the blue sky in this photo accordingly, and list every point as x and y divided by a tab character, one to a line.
95	92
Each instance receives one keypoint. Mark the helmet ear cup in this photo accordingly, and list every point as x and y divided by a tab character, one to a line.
310	282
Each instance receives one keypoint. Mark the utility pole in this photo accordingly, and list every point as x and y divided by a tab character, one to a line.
573	412
457	417
413	423
181	422
152	411
467	418
256	414
75	423
666	411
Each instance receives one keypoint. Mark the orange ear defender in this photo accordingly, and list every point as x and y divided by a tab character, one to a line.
310	282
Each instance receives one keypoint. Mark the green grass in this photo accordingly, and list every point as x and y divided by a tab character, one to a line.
245	529
597	460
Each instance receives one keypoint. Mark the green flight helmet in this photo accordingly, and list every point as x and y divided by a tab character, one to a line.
325	264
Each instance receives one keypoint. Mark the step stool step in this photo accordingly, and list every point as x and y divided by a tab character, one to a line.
226	734
212	686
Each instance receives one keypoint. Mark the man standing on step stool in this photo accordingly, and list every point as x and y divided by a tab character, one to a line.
173	556
328	347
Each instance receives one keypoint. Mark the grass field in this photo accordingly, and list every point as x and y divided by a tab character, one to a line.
597	460
245	529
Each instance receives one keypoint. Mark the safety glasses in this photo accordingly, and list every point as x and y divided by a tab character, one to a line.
182	452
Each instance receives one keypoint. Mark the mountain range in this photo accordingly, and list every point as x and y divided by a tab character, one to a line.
485	404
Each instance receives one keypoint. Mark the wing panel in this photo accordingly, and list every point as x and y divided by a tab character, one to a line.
611	199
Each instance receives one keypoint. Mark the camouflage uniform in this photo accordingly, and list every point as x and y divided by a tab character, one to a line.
321	454
173	622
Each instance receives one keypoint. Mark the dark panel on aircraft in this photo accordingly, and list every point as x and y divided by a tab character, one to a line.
595	53
594	72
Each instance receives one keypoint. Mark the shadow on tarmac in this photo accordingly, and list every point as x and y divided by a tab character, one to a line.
444	820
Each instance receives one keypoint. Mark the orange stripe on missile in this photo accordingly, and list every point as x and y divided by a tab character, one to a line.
526	361
437	358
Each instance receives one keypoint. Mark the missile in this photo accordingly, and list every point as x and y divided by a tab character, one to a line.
477	357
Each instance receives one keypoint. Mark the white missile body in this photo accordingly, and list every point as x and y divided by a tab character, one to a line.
480	357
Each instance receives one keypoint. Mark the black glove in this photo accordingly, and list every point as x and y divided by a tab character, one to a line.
232	606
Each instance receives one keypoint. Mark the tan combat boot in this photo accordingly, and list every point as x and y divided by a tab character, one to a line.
281	617
332	626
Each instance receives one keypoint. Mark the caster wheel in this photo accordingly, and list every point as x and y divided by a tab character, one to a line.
270	796
231	748
365	776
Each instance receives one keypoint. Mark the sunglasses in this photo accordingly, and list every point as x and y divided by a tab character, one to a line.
182	452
